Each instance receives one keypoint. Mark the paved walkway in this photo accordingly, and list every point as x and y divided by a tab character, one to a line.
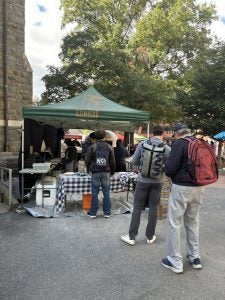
81	259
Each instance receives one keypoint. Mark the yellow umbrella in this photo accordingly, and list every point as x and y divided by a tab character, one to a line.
138	138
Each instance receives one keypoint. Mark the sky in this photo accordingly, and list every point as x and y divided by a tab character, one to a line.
43	36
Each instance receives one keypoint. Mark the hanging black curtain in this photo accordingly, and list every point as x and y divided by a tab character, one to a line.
35	133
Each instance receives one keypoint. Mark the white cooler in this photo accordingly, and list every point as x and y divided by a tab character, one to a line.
48	187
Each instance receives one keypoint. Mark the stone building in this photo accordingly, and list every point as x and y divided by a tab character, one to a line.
15	73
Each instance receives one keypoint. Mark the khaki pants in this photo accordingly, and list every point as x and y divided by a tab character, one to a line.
184	203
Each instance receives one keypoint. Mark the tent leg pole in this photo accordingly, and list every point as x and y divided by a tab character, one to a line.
22	144
129	142
22	175
148	131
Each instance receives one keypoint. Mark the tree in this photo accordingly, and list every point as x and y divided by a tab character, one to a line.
133	51
56	86
204	101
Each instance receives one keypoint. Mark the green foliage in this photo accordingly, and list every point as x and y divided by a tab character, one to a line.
133	51
170	35
56	86
204	100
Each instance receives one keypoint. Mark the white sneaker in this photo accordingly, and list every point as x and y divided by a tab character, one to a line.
107	216
125	238
152	240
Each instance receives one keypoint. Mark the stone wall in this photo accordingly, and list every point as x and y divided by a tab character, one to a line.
15	73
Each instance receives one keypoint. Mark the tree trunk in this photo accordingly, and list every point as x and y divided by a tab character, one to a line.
219	159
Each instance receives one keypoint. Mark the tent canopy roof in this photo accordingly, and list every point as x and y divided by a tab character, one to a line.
88	110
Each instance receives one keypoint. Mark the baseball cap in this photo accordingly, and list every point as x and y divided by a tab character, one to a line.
179	126
92	135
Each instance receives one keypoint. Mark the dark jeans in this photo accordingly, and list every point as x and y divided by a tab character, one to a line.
100	179
144	191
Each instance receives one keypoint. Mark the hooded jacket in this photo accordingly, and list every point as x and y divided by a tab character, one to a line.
90	157
177	164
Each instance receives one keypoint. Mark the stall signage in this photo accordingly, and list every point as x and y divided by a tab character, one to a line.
86	113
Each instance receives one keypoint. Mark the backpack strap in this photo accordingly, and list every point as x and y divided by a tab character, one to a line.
94	148
188	139
150	143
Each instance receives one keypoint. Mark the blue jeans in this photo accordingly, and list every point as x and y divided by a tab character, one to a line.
100	179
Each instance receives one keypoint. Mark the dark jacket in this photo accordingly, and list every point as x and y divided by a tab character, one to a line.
177	164
90	157
120	154
85	147
70	154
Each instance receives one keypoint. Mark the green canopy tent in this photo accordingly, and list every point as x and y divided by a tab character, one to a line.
88	110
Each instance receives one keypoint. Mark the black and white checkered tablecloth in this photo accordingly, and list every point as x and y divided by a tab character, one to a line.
82	185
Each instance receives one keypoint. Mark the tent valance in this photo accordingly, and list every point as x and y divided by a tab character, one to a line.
88	110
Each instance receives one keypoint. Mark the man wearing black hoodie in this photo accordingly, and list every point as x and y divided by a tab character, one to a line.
100	161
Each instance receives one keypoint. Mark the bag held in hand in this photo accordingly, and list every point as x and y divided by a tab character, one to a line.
152	160
202	165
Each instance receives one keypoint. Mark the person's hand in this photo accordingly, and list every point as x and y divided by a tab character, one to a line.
135	169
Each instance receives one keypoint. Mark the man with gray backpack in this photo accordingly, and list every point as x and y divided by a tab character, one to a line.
149	159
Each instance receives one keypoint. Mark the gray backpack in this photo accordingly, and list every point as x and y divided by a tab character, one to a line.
152	163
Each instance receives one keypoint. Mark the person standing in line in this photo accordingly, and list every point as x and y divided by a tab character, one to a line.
213	146
120	154
70	159
147	189
185	200
88	142
100	161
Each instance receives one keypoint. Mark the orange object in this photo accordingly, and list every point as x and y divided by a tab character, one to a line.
86	201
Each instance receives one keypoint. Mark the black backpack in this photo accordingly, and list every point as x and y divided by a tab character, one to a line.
101	157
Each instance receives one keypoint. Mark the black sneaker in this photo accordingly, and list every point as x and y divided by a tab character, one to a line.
196	263
91	216
167	264
107	216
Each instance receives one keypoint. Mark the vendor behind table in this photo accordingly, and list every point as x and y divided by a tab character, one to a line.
70	159
120	153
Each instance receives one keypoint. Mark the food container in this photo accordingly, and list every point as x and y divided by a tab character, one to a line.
41	166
